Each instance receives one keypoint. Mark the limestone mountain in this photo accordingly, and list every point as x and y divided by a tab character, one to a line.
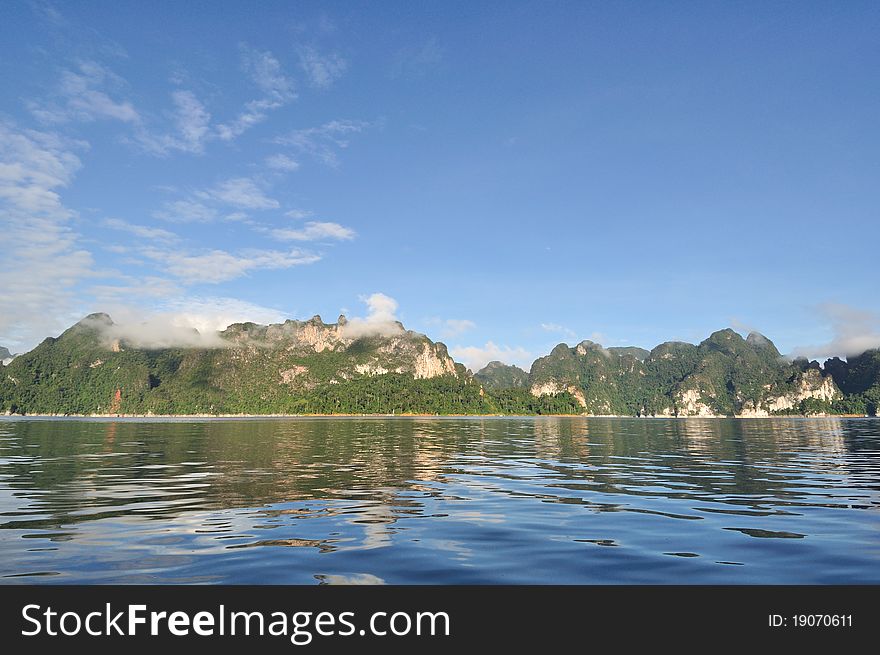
725	375
312	367
858	378
496	375
295	366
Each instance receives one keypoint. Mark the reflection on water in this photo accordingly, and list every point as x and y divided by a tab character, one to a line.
489	500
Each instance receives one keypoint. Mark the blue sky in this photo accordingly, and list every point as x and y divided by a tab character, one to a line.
512	175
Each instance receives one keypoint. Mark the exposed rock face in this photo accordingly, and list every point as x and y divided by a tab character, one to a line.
371	369
810	385
297	365
311	352
690	403
547	388
317	336
292	373
725	375
387	351
431	364
553	387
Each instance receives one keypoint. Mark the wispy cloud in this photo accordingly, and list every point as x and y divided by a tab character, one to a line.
192	127
216	266
313	231
323	142
49	261
125	287
282	163
186	211
83	94
476	357
266	73
240	192
141	231
560	329
853	332
48	12
321	69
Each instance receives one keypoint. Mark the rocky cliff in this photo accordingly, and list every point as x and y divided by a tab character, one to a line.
250	368
725	375
310	366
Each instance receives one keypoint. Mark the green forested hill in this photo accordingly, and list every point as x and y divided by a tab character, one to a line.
305	367
724	375
497	375
290	368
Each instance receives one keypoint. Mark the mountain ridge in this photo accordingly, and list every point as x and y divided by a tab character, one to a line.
357	367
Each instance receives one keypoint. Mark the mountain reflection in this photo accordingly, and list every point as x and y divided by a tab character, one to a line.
438	494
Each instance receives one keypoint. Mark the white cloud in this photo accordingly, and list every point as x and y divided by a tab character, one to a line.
381	318
192	119
207	314
182	322
83	97
186	211
561	329
266	73
281	162
324	141
254	112
298	213
321	70
220	266
238	193
44	261
313	231
854	331
141	231
475	357
241	192
192	128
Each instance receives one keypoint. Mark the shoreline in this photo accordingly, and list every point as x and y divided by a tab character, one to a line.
271	416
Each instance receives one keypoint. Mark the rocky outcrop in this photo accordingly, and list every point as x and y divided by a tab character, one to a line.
811	385
430	363
296	366
360	352
314	334
552	387
292	373
690	403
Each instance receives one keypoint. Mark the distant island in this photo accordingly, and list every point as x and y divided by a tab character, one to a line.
311	367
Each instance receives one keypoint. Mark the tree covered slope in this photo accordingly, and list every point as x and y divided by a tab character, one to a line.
312	367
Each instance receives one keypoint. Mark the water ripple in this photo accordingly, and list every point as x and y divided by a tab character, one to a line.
467	501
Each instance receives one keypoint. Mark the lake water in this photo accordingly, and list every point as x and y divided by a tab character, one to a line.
428	500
